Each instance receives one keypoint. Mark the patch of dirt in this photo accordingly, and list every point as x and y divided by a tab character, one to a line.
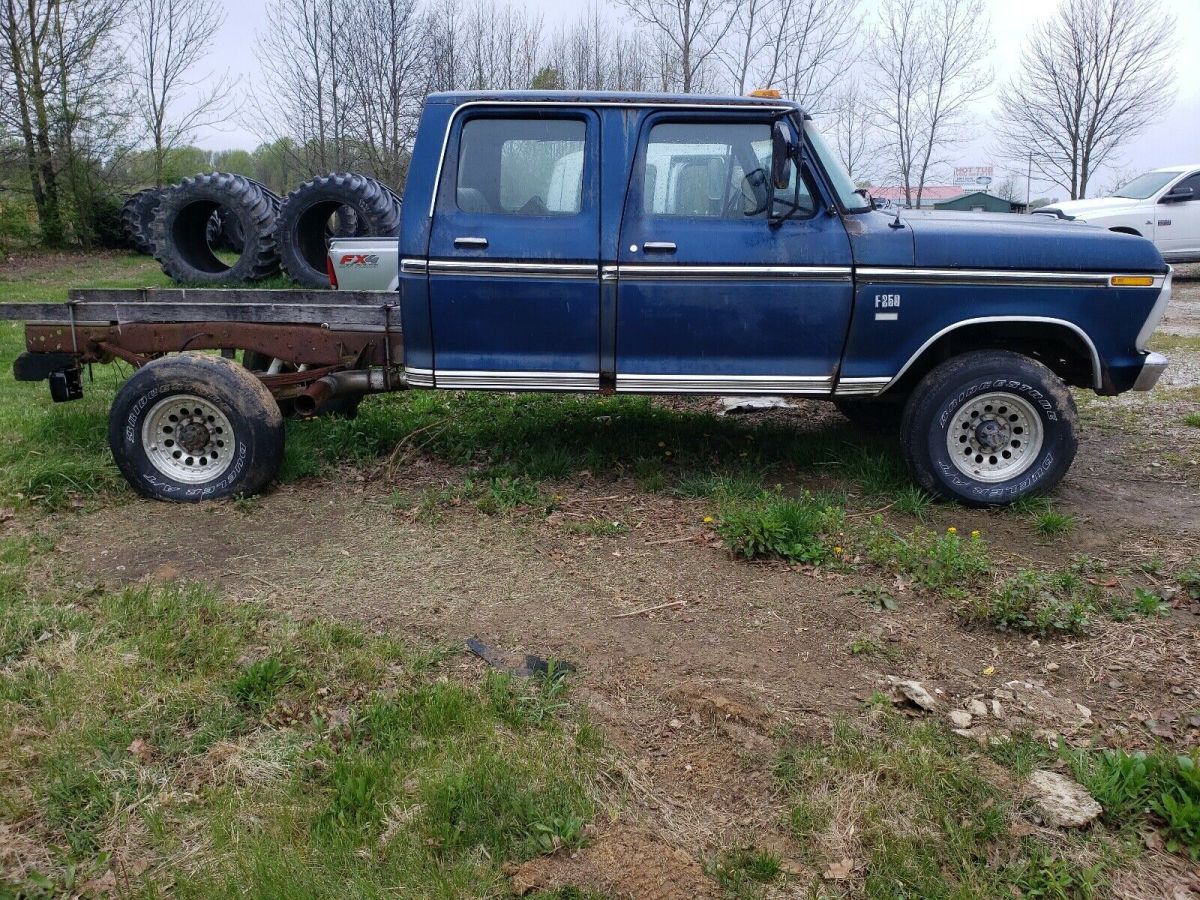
625	863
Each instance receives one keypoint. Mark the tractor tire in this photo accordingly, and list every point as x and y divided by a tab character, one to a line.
302	230
181	237
225	232
137	215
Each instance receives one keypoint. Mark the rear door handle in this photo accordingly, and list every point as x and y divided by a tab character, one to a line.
659	246
477	243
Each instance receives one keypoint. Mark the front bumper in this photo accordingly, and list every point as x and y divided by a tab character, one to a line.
1152	370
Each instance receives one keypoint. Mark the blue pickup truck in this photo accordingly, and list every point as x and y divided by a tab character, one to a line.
651	244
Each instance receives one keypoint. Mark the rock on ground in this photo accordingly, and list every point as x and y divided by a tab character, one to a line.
1060	801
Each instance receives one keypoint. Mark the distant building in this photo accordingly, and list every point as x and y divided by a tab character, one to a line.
981	201
930	196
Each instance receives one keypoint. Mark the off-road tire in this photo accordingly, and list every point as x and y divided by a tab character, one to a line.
938	413
180	229
301	228
880	416
137	216
251	432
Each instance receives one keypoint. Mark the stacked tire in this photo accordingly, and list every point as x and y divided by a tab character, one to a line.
343	204
186	242
137	215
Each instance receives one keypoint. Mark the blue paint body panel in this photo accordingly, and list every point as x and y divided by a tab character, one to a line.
747	324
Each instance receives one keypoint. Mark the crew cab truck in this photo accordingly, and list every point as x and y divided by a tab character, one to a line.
637	243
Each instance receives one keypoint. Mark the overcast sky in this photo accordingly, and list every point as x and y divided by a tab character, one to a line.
1173	139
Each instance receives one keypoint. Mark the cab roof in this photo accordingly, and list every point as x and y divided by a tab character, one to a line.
610	98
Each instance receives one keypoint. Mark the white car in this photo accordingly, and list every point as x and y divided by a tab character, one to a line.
1163	205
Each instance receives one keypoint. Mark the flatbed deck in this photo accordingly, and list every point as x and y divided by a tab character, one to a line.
300	334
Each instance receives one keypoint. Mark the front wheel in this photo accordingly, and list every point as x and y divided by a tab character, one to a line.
195	427
989	427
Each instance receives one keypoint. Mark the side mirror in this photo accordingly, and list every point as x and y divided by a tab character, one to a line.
782	154
1177	193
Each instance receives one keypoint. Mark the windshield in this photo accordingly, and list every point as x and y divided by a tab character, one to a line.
1145	186
843	184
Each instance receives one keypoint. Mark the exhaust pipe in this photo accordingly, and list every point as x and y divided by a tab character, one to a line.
341	384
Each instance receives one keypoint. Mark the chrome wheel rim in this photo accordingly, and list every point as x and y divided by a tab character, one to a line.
188	439
994	437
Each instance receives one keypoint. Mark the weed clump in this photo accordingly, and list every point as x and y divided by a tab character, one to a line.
945	563
794	529
1037	602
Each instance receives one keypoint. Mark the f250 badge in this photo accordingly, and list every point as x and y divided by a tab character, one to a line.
367	260
887	307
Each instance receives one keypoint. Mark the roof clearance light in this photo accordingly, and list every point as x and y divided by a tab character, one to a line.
766	93
1132	281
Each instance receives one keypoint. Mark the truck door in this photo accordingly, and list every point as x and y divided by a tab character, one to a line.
1178	221
712	298
513	259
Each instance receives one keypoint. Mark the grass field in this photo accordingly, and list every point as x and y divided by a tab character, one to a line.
169	737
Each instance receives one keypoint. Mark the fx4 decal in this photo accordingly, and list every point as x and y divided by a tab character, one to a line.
369	260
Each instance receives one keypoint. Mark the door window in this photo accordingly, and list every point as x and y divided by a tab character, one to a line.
1193	182
521	167
713	170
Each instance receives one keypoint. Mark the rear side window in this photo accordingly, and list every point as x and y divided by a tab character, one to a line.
521	167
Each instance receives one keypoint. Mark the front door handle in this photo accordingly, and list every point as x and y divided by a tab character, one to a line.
475	243
659	246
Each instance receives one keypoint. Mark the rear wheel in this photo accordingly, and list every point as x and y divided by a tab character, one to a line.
195	427
989	427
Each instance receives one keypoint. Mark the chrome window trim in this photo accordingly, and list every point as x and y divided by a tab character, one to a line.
581	105
874	275
517	381
1097	381
725	384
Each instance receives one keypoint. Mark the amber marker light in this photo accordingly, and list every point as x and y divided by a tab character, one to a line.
766	93
1132	281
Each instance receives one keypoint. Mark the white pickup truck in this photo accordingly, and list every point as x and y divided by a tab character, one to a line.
1162	205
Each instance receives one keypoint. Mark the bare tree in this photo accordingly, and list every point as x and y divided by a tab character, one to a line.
687	36
304	96
1091	77
926	76
853	132
593	53
171	38
809	53
388	83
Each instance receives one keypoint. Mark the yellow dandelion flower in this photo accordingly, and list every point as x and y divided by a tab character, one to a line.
951	530
838	551
708	520
975	535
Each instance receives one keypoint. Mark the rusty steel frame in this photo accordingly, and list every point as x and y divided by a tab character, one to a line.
322	350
